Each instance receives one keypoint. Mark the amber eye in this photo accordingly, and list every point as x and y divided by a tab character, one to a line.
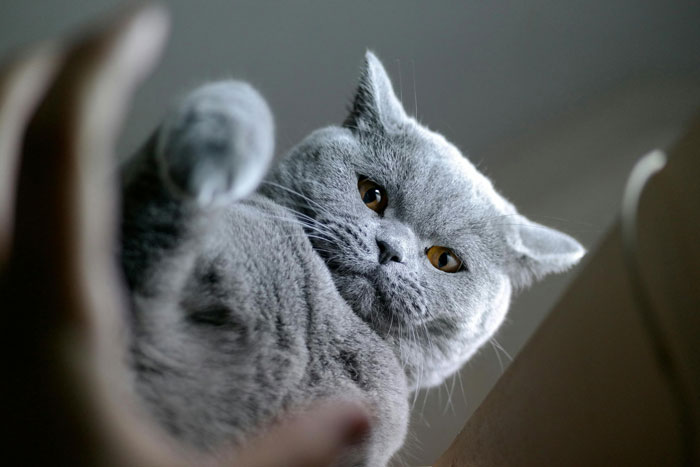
444	259
373	195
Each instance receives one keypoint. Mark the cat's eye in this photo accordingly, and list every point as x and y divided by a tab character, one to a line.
373	195
444	259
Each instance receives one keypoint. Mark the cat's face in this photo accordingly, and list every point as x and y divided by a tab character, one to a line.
417	240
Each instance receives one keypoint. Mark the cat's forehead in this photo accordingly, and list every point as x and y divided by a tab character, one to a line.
434	188
434	180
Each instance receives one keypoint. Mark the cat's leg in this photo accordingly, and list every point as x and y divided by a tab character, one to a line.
218	144
215	147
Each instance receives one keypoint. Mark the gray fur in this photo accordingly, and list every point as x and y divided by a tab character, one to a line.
247	307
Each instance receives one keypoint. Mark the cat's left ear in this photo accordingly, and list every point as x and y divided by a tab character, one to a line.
375	107
537	250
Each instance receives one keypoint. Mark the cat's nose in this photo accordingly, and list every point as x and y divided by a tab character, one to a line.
389	252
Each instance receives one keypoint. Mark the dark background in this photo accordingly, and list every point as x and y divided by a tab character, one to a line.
553	100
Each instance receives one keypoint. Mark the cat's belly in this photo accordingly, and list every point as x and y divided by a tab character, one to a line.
255	328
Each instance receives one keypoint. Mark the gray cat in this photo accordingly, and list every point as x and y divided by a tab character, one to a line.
373	260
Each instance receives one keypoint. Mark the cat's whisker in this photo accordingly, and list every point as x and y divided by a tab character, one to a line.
414	399
311	223
296	217
322	234
498	355
290	205
489	220
322	231
450	391
500	347
318	237
425	398
398	62
415	91
428	340
418	373
461	385
400	341
569	221
317	205
328	233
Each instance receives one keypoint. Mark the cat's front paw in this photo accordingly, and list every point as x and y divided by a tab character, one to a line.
218	144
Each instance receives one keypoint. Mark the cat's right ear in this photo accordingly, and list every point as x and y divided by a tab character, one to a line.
375	106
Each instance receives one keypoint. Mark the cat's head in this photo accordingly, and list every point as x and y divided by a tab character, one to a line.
418	241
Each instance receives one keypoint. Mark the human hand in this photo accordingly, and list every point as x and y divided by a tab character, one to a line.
68	401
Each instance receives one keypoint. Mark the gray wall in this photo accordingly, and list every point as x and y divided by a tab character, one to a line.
482	69
554	100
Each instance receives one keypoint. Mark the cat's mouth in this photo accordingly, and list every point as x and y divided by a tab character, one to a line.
383	295
386	303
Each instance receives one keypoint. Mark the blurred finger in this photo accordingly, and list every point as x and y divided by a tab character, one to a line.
22	84
62	291
315	439
65	219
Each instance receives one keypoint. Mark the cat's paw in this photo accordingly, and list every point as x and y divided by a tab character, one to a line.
218	144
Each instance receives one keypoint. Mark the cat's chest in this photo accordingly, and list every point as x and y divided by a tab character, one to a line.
259	315
267	253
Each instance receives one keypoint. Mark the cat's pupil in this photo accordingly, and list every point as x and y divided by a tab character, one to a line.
372	196
444	258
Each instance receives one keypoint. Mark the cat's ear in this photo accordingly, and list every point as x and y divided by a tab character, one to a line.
375	106
537	250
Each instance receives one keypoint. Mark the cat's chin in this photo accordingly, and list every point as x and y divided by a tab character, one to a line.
373	297
358	291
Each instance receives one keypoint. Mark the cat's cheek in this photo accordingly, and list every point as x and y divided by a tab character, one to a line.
358	291
499	308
